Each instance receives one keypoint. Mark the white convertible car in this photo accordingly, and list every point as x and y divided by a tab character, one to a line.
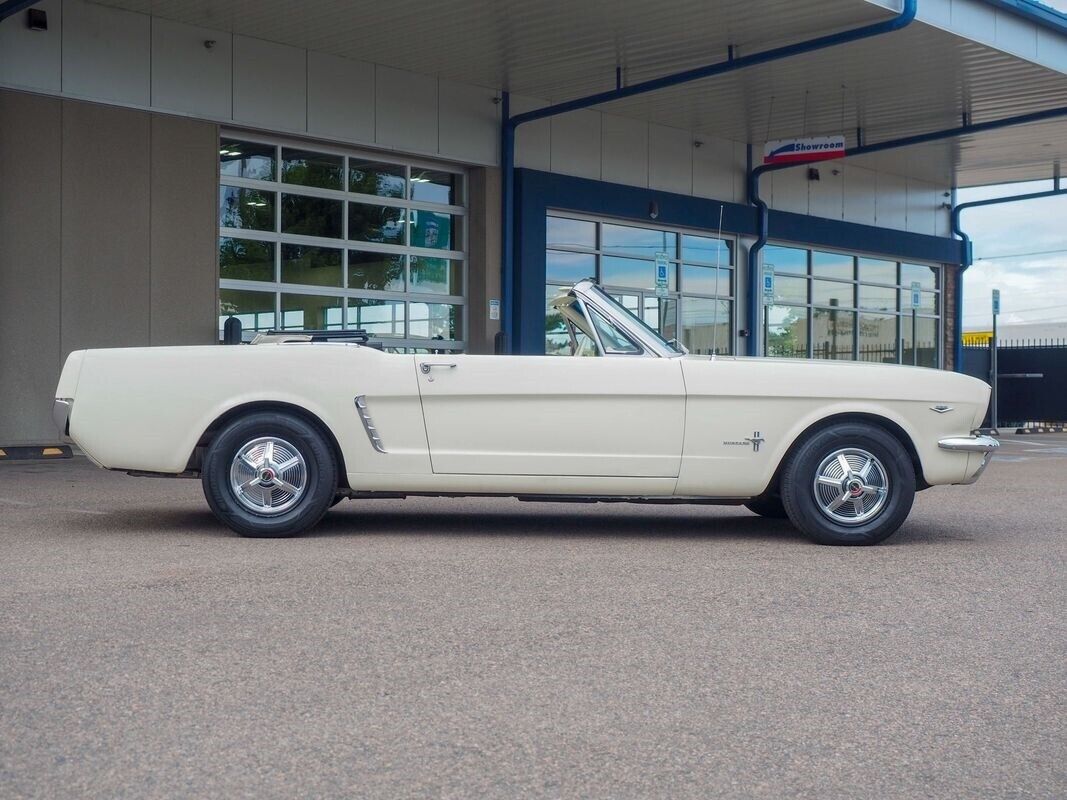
280	431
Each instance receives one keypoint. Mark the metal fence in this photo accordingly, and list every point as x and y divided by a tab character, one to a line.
1031	380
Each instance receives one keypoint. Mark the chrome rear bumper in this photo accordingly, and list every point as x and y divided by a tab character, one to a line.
986	445
61	413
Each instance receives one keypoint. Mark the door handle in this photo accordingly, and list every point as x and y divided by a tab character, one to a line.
425	367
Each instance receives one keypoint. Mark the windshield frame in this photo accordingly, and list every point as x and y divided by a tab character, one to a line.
591	293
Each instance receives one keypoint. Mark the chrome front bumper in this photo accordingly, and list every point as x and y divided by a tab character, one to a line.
986	445
61	413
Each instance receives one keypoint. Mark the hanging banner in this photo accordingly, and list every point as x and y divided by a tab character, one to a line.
815	148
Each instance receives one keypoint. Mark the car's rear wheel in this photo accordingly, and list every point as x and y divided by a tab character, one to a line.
849	484
269	474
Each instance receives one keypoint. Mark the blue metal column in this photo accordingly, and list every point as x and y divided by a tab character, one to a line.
732	62
890	144
968	252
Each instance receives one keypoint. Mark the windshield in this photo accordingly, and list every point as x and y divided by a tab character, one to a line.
671	344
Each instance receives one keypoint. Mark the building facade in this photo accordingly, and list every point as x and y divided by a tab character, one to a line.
162	172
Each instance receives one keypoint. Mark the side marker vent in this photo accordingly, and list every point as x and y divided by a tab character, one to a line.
368	423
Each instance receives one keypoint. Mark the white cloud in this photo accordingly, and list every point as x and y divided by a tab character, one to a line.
1021	249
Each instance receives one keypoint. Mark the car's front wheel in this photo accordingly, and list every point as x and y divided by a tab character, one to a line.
269	474
849	484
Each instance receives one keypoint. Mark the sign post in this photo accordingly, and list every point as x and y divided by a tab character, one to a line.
993	376
662	268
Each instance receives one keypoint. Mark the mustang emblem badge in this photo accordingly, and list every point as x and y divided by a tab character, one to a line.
941	409
756	440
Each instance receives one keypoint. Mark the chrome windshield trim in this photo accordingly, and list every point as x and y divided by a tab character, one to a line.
368	423
590	294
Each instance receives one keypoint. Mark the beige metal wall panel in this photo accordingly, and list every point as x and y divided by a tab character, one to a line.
187	75
670	159
1052	49
714	169
469	123
788	190
576	144
860	190
106	53
340	98
923	200
29	266
826	196
1016	35
33	59
406	116
892	202
105	219
533	141
935	12
269	84
974	19
624	150
184	231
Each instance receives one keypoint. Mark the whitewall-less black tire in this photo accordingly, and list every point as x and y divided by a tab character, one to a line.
269	474
849	484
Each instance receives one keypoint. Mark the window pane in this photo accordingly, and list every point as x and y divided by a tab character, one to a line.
377	317
832	265
927	302
368	223
613	340
706	249
924	331
311	312
246	208
380	271
571	232
372	177
311	216
254	309
792	291
831	293
246	159
707	280
706	325
634	273
638	241
438	275
926	276
312	169
557	340
878	338
318	266
878	298
569	267
246	259
433	186
874	270
434	321
786	259
832	333
433	229
786	330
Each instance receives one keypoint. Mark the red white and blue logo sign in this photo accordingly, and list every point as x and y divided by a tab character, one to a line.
816	148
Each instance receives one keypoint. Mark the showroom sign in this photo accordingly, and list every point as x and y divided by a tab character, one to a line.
816	148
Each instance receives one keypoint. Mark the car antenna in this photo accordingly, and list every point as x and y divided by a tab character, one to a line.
715	313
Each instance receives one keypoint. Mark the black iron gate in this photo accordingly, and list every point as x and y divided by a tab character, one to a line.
1032	380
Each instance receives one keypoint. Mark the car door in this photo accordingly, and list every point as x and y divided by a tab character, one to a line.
553	415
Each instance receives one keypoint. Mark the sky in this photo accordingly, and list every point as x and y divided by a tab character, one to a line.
1019	248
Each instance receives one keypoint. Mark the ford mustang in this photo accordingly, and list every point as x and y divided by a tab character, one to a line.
280	431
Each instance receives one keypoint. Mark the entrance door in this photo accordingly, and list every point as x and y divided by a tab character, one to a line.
553	415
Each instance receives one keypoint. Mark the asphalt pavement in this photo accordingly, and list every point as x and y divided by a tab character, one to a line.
490	648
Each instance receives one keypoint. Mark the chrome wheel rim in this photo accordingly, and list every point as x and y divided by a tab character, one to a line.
851	486
268	476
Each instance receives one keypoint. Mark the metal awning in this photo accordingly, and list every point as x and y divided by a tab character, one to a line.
919	79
